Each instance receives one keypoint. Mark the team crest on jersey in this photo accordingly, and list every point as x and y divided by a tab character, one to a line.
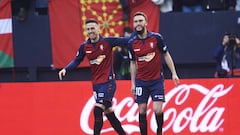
151	44
101	47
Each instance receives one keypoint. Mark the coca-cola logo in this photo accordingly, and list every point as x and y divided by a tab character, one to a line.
204	117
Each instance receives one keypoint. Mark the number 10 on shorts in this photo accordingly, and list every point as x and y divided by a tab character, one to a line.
138	91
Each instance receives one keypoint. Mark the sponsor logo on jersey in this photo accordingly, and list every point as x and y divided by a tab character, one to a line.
88	51
98	60
136	50
147	58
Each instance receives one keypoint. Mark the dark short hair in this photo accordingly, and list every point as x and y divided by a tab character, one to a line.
91	20
142	14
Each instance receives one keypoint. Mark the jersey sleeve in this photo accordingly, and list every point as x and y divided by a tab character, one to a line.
161	45
78	59
117	41
218	52
131	52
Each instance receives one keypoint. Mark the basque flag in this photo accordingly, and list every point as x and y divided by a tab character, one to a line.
6	42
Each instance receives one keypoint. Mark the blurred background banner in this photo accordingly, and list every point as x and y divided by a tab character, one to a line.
66	32
6	43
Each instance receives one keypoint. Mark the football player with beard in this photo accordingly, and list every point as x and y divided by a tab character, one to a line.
145	50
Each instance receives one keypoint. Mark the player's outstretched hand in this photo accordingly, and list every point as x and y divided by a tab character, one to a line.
62	73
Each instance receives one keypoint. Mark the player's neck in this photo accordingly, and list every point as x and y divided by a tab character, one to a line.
95	40
143	35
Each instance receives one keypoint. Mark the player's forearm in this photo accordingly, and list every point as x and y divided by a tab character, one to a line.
73	64
133	72
170	63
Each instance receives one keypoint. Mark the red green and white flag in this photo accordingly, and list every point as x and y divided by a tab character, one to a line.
6	40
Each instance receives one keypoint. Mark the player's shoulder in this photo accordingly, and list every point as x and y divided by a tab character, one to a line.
84	43
109	39
132	37
155	34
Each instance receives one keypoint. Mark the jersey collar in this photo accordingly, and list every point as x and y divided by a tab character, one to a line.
148	34
89	41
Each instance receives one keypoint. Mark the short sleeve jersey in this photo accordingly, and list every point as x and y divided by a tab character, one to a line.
100	58
147	53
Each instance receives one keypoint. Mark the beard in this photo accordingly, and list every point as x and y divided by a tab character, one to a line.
140	32
93	37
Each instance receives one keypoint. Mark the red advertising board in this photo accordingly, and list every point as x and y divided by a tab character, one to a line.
196	106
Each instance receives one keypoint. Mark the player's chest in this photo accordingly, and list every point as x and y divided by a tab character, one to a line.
144	47
94	50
